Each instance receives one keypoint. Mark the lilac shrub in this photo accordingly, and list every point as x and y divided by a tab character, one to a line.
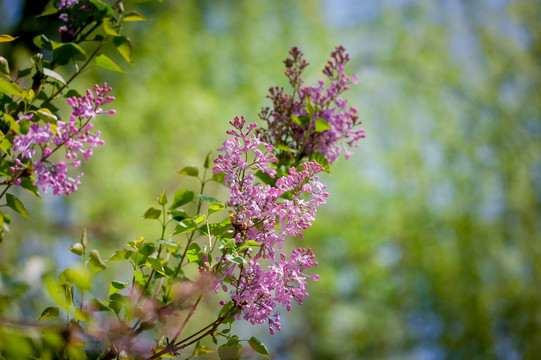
312	119
260	217
74	137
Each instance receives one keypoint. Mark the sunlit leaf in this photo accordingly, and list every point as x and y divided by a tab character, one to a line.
105	62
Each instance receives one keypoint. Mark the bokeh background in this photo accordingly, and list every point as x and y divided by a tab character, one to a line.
430	244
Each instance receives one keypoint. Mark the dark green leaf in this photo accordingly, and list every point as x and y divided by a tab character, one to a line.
43	42
147	249
182	197
105	62
189	171
259	347
63	53
50	313
206	165
50	9
16	205
178	215
301	120
152	213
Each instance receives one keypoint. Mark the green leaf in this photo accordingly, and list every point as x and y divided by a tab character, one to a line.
283	147
105	62
96	263
4	67
310	109
182	197
152	213
322	125
82	315
194	253
109	27
155	264
259	347
104	9
178	215
232	350
147	249
301	120
209	198
7	38
214	207
121	255
50	313
236	259
46	115
54	75
321	160
124	47
50	9
29	186
9	88
168	243
134	16
185	226
16	205
219	178
189	171
116	286
162	200
206	165
62	54
99	305
201	350
43	42
77	249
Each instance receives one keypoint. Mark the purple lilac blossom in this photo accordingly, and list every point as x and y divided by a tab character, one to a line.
260	216
328	104
74	136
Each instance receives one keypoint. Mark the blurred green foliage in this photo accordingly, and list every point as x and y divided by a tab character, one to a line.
430	245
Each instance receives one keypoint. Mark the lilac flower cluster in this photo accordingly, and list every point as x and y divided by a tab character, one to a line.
266	214
74	136
68	16
328	105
